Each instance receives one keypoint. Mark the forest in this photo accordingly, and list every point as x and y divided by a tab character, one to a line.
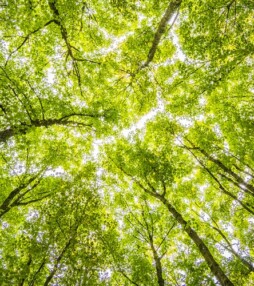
127	142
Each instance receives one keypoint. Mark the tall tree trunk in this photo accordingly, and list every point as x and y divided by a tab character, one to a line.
231	249
28	264
6	205
24	128
246	206
158	265
211	262
32	282
156	257
170	11
56	265
227	170
213	265
239	180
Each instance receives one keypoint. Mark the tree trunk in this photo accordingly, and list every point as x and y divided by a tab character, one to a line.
56	265
213	265
7	204
227	170
246	206
158	265
231	249
170	11
24	128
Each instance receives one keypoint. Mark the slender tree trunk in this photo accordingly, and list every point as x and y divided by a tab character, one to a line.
234	197
213	265
31	283
158	265
56	265
28	264
170	11
7	204
231	249
227	170
156	257
245	172
128	278
211	262
236	184
24	128
246	206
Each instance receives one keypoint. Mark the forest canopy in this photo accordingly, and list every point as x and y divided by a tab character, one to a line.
126	142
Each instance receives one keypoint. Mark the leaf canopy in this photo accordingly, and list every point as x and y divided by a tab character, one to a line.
126	142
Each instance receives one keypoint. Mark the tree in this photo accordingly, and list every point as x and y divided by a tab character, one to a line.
126	132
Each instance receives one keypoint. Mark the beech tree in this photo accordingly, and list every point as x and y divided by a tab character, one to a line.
126	142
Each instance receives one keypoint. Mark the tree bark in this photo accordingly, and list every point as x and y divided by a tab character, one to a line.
32	282
56	265
231	249
170	11
213	265
234	197
156	257
158	265
7	204
227	170
211	262
24	128
236	184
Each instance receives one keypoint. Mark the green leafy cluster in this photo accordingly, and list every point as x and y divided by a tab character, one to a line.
126	142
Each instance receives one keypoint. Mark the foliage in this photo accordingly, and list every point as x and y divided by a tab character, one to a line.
126	132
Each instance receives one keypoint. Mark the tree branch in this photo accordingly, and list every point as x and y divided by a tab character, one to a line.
26	38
